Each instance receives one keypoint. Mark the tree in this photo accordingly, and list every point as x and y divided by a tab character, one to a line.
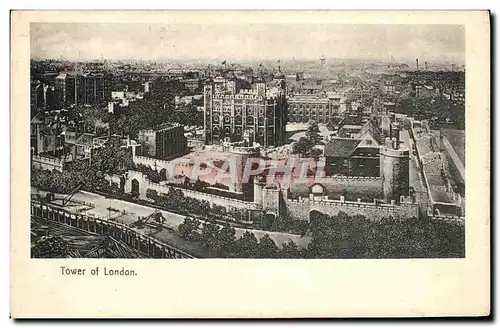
151	194
281	224
290	251
188	228
342	236
112	157
305	146
210	237
48	245
227	238
246	246
312	133
267	247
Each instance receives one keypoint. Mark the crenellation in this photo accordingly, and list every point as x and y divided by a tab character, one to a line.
48	163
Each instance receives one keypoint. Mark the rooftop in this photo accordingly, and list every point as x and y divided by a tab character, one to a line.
86	139
163	126
340	147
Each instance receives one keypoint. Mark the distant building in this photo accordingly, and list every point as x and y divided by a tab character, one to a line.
147	87
65	89
73	88
84	146
388	88
192	85
45	133
162	141
37	95
309	88
317	108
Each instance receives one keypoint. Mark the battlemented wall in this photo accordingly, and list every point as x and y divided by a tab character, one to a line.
46	163
366	188
446	218
299	209
278	201
145	184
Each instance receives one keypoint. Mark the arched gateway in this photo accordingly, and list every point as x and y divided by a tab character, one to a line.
135	188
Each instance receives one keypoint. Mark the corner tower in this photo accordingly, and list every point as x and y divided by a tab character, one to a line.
394	169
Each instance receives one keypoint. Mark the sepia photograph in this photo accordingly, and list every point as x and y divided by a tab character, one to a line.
349	146
313	161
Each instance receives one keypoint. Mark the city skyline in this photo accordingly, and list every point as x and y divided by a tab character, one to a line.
91	41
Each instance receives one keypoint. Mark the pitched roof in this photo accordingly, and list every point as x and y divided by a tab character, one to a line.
85	139
347	129
370	129
340	147
36	120
369	141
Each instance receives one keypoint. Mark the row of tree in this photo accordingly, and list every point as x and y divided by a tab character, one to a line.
221	241
175	200
156	108
340	236
343	236
89	174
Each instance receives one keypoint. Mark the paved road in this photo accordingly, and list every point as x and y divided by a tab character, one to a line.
454	157
173	220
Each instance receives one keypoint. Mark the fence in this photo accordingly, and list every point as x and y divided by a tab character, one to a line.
146	244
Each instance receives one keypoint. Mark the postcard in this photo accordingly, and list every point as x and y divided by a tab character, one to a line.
260	164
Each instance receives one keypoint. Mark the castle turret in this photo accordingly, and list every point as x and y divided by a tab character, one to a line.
394	169
386	126
258	186
240	156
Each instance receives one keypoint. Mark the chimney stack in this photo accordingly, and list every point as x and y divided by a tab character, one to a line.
417	63
425	66
396	134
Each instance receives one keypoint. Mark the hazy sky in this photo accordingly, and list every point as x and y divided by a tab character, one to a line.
83	41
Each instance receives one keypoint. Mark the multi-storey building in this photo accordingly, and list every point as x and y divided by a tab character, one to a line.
192	85
260	111
46	133
162	141
318	108
357	154
65	89
89	88
37	95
